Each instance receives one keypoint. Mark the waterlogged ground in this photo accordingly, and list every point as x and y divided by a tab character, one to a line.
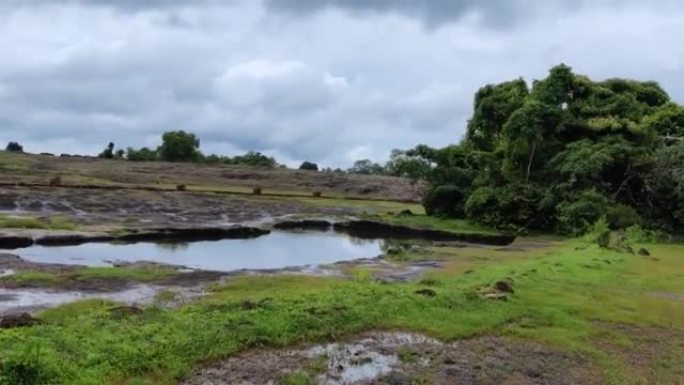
540	311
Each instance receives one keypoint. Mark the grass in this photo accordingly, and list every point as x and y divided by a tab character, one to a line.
145	273
556	295
420	220
21	222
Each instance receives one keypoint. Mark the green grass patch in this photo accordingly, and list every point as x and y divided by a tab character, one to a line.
560	294
428	222
144	273
22	222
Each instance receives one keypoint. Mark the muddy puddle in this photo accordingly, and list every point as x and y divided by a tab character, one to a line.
277	250
396	358
13	301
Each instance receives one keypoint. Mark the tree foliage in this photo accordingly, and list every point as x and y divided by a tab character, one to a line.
14	147
309	166
179	146
564	152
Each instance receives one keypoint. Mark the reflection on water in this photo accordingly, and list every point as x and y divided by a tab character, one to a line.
275	251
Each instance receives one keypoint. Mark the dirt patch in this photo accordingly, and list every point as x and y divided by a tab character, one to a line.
649	355
400	358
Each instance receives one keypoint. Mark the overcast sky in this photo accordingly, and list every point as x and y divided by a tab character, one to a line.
324	80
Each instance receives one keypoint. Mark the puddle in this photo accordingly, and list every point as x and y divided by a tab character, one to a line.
12	301
7	273
351	363
275	251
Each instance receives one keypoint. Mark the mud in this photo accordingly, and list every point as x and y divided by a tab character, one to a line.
653	355
146	209
366	229
400	358
32	300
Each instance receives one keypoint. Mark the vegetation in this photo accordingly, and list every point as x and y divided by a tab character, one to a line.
22	222
14	147
179	146
107	153
554	302
562	153
310	166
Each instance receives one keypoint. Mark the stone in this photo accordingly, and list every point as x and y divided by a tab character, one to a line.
17	320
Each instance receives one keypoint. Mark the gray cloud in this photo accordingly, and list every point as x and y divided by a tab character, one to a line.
352	81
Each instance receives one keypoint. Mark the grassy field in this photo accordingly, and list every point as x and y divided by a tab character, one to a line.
564	297
40	169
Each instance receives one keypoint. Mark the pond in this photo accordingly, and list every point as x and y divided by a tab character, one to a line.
274	251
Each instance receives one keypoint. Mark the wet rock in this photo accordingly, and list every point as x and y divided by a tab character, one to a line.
496	296
306	224
366	229
15	242
193	234
72	239
644	252
505	286
426	292
17	320
125	311
397	378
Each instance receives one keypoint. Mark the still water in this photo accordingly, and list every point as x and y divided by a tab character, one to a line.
274	251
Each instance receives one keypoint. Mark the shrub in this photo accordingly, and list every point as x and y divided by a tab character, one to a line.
622	216
317	194
256	191
14	147
181	187
310	166
444	201
576	217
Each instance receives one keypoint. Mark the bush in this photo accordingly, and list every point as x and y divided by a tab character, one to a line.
317	194
256	191
577	217
622	216
29	366
445	201
14	147
310	166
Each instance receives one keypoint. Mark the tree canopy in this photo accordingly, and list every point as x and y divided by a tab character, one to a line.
563	152
179	146
14	147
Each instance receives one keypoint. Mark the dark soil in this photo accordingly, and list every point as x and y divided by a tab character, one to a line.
403	359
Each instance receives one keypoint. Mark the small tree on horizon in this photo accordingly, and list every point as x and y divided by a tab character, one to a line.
310	166
14	147
179	146
107	153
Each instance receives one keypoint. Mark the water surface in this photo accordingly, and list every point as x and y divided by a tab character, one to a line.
274	251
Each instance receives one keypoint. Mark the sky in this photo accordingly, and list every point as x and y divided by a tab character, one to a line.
330	81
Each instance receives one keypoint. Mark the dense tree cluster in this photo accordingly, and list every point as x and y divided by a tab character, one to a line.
563	153
309	166
14	147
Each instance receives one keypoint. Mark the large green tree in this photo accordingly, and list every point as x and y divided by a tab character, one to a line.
179	146
563	151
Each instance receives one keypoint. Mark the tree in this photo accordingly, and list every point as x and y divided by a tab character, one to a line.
564	154
141	155
108	152
14	147
179	146
255	159
366	167
310	166
409	164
